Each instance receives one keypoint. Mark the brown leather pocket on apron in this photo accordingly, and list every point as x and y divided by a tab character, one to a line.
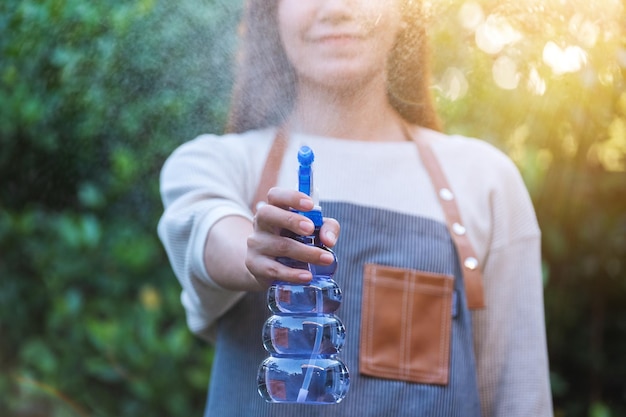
406	324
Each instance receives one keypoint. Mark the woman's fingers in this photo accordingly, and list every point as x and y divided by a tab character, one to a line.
267	270
266	244
272	218
286	198
329	233
275	246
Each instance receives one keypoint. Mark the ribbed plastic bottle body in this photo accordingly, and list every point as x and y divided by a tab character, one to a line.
281	380
303	337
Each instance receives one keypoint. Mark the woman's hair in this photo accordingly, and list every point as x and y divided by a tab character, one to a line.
265	81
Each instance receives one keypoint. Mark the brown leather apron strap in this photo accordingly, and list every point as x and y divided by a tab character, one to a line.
269	175
472	273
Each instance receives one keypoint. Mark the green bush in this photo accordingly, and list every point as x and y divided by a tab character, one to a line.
94	96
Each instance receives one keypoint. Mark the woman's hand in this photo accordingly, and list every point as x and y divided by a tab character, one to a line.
265	244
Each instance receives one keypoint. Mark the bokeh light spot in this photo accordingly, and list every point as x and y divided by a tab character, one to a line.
471	15
536	84
495	33
453	84
561	61
505	73
584	30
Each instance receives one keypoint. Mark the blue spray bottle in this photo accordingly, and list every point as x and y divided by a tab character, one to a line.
303	336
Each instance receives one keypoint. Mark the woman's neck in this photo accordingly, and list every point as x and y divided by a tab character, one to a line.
356	113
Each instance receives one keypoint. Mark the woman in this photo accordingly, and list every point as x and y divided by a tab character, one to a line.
350	79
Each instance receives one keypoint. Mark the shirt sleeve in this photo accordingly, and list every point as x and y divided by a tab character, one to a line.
202	182
510	339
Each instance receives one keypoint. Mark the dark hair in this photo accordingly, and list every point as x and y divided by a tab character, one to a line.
265	81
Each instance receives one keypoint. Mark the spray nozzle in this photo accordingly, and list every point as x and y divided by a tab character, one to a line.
305	182
305	171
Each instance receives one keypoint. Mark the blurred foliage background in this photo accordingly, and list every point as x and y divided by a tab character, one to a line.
94	96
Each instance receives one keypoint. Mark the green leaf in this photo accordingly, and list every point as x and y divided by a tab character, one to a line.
37	355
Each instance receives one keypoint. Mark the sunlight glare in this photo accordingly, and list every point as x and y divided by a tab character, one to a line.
570	59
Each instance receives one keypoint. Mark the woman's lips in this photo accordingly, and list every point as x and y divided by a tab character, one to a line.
336	35
337	38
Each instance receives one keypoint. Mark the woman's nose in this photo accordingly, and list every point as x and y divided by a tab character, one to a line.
336	10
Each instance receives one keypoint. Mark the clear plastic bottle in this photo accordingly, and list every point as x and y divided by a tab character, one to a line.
303	336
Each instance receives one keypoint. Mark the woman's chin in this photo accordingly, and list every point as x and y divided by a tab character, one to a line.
340	77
